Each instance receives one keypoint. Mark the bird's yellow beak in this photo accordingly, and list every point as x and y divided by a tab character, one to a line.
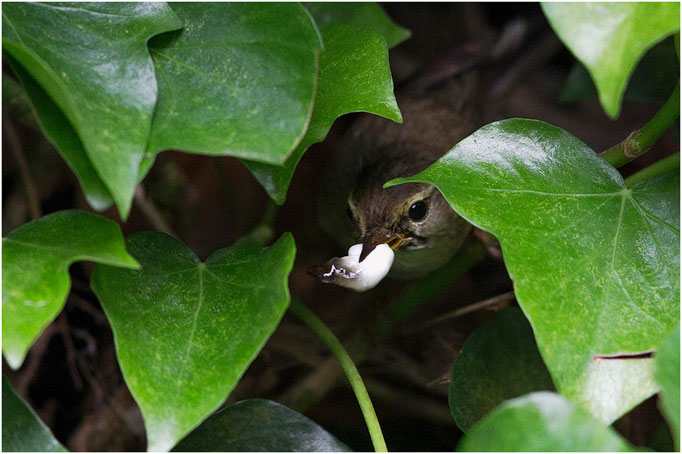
396	240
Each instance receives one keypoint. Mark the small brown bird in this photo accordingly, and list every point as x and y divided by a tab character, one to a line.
413	218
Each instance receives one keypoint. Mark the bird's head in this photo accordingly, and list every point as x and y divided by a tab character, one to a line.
407	217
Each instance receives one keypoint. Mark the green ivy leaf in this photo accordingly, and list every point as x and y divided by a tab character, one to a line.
359	14
239	80
61	134
259	425
35	276
610	38
186	330
498	361
541	422
649	83
668	376
592	261
92	60
22	430
354	76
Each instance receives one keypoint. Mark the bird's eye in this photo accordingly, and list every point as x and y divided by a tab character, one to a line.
418	211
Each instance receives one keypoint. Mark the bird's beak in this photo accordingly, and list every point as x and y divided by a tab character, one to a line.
380	236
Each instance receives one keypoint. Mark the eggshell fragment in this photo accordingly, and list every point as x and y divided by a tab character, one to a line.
349	272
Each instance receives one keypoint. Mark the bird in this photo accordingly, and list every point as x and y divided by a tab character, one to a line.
414	219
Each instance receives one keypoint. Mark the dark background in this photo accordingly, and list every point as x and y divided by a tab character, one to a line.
71	377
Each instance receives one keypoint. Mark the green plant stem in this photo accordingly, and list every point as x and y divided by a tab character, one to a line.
641	140
672	162
328	337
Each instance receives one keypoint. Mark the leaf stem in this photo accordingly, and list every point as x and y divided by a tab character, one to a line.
641	140
328	337
672	162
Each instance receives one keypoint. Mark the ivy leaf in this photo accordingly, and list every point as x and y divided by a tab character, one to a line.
358	14
92	60
61	134
354	76
22	430
541	422
35	276
610	38
668	376
238	80
259	425
186	330
648	82
498	361
592	261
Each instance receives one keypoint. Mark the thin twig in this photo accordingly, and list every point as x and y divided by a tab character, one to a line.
152	212
86	307
402	307
18	152
100	394
462	311
311	389
71	360
545	49
416	404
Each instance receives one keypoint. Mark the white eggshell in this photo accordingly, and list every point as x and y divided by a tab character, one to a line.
365	275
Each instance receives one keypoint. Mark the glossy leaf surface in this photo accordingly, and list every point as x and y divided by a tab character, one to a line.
22	430
499	361
259	425
359	14
35	277
668	376
592	261
542	422
61	134
610	38
238	80
354	76
92	59
186	330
